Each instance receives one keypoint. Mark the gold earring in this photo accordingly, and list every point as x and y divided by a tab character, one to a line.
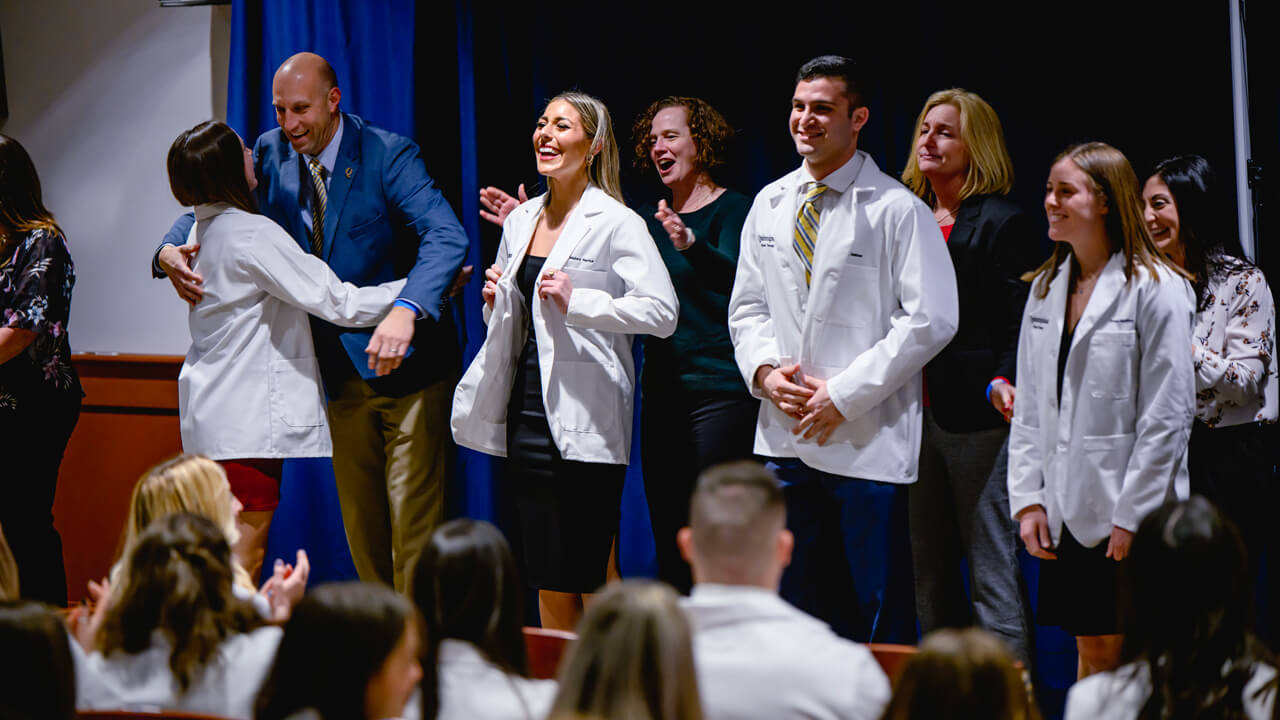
590	159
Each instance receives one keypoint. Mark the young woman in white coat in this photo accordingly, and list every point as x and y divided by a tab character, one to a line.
551	389
1106	395
249	392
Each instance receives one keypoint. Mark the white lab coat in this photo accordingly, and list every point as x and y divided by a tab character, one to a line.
882	303
1116	447
250	386
1120	694
620	288
758	657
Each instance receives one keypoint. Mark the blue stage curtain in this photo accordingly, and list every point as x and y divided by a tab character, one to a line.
371	48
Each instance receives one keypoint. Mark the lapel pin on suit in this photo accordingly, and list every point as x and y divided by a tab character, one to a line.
348	173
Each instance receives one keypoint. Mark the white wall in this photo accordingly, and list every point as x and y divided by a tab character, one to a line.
97	90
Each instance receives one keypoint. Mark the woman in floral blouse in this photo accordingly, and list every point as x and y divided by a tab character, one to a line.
1232	455
39	391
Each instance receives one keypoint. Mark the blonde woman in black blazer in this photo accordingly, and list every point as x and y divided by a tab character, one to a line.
959	508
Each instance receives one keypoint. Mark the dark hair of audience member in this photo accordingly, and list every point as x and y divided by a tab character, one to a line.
180	584
961	674
337	639
39	680
632	660
467	588
1186	610
8	571
206	165
21	205
841	68
1205	223
735	515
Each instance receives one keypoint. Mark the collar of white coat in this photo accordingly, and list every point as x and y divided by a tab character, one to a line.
1105	291
593	202
208	210
712	604
454	651
858	173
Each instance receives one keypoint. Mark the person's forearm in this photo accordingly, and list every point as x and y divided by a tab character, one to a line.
13	341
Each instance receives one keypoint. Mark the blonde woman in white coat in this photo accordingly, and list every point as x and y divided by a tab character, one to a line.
249	392
1106	395
551	389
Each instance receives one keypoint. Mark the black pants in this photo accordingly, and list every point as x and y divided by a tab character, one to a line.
682	435
1235	467
32	440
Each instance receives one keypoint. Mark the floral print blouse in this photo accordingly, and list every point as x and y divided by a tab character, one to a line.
1233	347
36	277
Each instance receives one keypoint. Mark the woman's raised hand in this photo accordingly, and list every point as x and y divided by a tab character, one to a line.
681	236
498	204
490	288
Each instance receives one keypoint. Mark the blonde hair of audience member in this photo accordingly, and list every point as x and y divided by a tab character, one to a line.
179	572
1113	180
186	483
603	170
990	169
8	571
737	532
961	674
633	659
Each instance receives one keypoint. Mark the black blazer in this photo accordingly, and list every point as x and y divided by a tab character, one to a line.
991	244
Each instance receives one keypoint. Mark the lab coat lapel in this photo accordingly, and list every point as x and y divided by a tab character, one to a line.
575	229
344	169
1103	297
790	269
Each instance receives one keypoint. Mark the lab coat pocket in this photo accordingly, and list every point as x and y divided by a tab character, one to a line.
587	396
295	391
856	302
584	278
1106	460
1112	364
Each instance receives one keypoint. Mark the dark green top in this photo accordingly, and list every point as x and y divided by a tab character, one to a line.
698	357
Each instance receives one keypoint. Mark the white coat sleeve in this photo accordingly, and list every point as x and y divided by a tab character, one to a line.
1236	374
750	322
275	263
924	284
1166	399
648	302
1026	457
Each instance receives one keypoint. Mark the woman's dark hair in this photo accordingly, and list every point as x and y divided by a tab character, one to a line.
961	674
707	127
467	588
179	574
39	680
338	638
21	207
1203	221
1186	609
206	165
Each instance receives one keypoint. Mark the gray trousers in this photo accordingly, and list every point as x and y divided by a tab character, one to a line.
959	508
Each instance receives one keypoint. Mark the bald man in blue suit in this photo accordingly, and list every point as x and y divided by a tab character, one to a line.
389	389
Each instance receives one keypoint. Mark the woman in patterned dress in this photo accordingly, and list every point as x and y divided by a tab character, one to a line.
39	390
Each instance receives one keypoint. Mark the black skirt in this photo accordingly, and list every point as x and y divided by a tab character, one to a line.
1079	592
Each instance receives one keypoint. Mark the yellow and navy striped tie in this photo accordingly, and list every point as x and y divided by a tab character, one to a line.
807	227
317	207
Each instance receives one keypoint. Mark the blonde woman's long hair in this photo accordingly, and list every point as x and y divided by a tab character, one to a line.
990	169
186	483
1112	179
604	170
633	659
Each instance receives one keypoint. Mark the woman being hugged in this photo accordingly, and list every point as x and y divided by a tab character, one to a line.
959	506
576	275
40	392
1106	395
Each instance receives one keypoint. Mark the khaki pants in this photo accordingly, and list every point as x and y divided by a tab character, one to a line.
390	459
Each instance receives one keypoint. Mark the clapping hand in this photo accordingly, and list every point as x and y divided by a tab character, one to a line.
498	204
681	236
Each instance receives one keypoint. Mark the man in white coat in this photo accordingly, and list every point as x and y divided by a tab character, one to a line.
757	656
844	291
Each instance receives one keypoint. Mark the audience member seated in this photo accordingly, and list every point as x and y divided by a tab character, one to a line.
468	591
632	658
196	484
1188	647
39	679
350	651
177	637
961	675
757	656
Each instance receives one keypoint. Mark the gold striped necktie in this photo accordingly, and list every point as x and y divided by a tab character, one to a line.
317	207
807	227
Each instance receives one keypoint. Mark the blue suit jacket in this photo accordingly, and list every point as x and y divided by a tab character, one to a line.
384	220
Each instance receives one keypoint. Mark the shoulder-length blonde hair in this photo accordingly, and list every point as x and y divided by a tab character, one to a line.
1112	179
990	169
603	171
633	659
186	483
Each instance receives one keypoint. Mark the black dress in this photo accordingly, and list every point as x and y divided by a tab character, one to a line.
566	512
